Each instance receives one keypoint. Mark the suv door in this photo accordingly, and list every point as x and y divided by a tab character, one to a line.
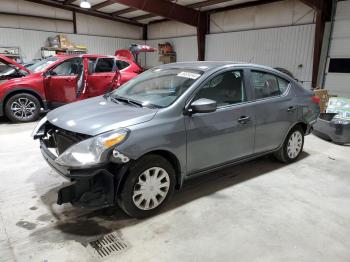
103	76
228	133
275	109
61	81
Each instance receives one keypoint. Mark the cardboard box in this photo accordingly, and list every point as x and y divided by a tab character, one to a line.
166	59
323	95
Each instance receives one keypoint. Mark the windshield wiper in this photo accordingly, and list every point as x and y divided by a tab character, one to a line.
126	100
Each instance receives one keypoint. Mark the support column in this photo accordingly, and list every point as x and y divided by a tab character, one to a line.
319	32
145	32
202	30
74	22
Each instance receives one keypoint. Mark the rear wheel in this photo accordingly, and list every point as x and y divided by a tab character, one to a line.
149	184
292	146
22	108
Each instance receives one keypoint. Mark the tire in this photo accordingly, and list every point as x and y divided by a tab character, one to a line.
22	108
141	205
292	146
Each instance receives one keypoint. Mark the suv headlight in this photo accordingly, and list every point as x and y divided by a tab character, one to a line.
91	151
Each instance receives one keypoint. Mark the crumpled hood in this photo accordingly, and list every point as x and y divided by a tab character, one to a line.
9	61
97	115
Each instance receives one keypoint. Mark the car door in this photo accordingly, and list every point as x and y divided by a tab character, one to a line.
61	81
275	109
228	133
103	76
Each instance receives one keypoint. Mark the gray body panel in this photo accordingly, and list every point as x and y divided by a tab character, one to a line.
198	141
97	115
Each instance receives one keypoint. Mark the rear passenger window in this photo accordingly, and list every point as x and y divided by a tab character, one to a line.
268	85
104	65
122	64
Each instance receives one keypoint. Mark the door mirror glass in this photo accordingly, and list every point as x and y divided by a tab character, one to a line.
203	105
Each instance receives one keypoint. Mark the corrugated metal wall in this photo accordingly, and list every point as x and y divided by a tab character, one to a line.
185	48
30	42
288	47
338	83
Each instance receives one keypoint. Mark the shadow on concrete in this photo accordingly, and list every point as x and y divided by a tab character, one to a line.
84	226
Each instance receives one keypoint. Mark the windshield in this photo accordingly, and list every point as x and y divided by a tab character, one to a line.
158	87
41	65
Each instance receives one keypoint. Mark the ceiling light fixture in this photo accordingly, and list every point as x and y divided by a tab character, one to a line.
85	4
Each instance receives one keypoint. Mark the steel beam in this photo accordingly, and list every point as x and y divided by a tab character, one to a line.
86	11
207	3
124	11
221	9
166	9
102	5
68	2
243	5
36	16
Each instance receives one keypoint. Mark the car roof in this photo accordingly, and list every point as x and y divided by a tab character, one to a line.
207	65
65	56
212	66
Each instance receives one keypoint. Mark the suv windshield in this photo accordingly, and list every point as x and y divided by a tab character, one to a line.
158	87
41	65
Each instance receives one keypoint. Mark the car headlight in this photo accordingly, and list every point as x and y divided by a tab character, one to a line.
38	127
91	151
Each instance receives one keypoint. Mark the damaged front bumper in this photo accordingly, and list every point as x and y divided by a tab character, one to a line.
91	188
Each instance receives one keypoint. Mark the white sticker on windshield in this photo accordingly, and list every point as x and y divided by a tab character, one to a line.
189	75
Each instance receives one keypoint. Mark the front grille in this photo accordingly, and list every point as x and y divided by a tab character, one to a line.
61	139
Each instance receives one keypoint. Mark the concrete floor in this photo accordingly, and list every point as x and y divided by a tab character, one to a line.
258	211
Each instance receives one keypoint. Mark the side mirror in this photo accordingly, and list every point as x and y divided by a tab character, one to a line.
203	105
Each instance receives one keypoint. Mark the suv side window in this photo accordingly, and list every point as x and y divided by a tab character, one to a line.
122	64
104	65
268	85
226	88
69	67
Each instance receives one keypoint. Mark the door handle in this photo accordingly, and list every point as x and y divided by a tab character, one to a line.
243	119
291	109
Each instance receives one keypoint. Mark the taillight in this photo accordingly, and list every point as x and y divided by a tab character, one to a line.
315	99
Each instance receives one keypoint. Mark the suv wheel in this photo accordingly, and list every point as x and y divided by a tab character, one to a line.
149	184
22	108
292	146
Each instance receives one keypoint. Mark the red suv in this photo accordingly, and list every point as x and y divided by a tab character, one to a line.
58	80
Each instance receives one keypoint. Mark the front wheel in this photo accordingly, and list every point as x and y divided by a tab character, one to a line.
148	186
292	146
22	108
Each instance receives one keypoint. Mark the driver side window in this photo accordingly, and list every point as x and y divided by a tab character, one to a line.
226	88
69	67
